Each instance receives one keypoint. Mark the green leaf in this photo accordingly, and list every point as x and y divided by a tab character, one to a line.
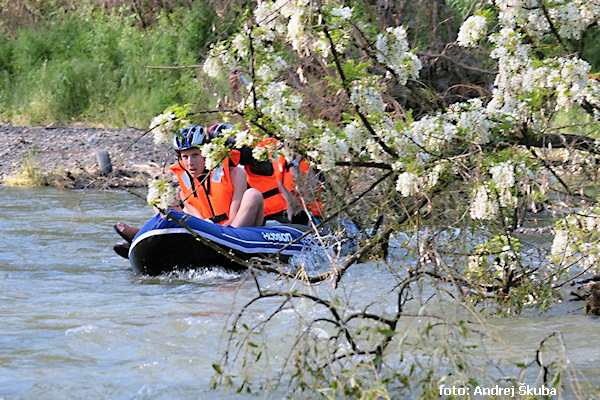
386	332
217	368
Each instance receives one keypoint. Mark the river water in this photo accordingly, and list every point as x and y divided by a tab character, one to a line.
76	323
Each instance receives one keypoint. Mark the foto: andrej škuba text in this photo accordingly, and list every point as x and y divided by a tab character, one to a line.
512	391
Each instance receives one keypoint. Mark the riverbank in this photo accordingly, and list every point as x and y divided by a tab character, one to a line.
67	156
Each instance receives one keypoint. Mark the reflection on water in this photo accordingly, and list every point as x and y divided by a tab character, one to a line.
76	323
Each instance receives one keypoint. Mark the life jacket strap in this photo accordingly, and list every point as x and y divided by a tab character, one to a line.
219	218
271	193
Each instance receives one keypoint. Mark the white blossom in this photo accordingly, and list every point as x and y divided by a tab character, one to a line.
472	120
367	97
504	178
513	59
330	148
561	244
271	67
344	13
270	19
212	155
296	32
471	31
593	93
407	184
244	138
355	135
393	51
433	176
483	206
374	150
240	44
163	126
160	193
397	166
281	103
431	132
292	129
570	18
503	175
259	153
218	59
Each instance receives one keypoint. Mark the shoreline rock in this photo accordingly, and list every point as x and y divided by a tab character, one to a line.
66	155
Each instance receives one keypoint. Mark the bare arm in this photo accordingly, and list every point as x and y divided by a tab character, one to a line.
240	184
190	209
234	84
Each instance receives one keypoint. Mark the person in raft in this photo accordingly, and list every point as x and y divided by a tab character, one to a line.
261	175
295	179
221	195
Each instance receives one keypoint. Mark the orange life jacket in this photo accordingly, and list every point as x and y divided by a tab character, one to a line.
284	175
287	179
268	185
213	197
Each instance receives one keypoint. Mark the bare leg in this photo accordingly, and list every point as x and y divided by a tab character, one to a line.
251	210
125	231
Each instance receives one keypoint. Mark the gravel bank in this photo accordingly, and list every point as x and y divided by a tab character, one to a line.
68	155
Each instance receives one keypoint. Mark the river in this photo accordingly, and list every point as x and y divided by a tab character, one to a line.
76	323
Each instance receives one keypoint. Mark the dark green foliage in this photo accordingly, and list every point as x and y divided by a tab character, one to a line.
89	64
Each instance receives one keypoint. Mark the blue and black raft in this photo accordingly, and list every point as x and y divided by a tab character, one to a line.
164	245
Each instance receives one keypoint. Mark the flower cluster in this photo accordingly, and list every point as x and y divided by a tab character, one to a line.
410	183
160	193
393	51
271	66
355	135
593	94
163	127
281	103
472	121
521	77
366	95
407	184
513	58
283	107
218	59
341	13
167	124
483	206
576	240
243	138
569	17
331	147
285	17
431	132
214	153
471	31
503	177
260	153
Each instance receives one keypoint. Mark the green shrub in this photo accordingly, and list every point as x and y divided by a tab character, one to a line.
89	66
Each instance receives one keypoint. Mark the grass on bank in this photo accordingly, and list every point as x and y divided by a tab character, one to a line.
30	174
89	67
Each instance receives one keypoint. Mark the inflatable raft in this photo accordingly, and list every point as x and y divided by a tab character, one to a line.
163	245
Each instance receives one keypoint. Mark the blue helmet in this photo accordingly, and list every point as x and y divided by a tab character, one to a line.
188	137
